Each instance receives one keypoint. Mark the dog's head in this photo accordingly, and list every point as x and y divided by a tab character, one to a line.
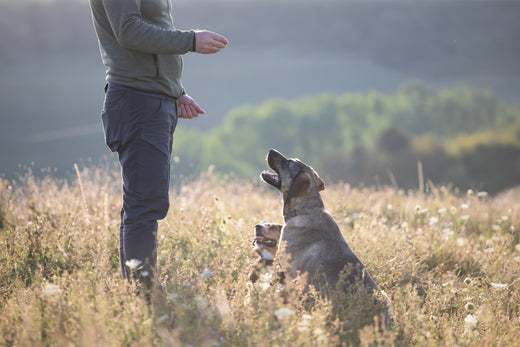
266	239
293	178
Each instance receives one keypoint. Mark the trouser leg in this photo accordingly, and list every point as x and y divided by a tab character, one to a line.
140	128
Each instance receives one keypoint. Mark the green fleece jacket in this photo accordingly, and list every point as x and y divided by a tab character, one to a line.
139	44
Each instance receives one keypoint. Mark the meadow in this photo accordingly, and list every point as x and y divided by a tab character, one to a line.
449	260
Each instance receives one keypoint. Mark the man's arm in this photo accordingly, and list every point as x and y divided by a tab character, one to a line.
133	32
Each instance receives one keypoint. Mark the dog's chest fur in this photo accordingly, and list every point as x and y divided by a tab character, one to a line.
314	243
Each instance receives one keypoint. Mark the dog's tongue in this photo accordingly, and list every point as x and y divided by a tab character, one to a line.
258	238
271	177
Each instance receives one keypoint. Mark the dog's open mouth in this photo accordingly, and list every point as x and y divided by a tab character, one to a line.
272	178
264	241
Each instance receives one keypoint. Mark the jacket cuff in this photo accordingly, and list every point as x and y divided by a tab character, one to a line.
194	43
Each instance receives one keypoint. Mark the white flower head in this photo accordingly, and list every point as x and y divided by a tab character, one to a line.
306	323
283	313
52	290
133	263
266	277
499	285
470	324
462	241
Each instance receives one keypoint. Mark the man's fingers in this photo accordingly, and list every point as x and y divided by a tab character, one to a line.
197	108
181	111
220	38
191	114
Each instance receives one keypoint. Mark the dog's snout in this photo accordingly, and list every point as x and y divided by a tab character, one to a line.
258	227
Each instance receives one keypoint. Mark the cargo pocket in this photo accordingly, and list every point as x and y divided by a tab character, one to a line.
111	116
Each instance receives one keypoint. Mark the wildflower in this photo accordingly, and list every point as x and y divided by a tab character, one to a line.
283	313
462	241
447	232
52	290
464	206
470	324
306	323
321	338
465	217
489	250
499	285
133	263
482	194
420	210
441	210
470	306
468	281
262	285
266	277
470	192
144	273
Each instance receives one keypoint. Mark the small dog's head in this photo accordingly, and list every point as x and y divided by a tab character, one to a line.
293	178
266	239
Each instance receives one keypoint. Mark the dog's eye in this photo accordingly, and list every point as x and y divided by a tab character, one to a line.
294	169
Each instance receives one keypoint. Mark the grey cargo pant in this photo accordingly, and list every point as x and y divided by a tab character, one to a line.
139	126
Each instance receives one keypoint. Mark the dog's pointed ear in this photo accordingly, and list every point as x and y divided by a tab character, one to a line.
299	185
321	184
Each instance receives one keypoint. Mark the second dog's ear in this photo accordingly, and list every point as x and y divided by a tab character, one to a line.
299	185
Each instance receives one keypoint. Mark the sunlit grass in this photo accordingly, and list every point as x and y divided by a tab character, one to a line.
449	261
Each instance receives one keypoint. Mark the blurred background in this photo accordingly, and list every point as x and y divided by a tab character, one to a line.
361	90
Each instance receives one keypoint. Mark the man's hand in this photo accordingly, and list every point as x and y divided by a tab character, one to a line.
208	42
187	108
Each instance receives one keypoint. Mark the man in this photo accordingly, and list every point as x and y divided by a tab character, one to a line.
142	51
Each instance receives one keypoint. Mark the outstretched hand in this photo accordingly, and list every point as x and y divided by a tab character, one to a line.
187	108
208	42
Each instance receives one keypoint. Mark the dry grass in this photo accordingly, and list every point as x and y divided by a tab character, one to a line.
449	262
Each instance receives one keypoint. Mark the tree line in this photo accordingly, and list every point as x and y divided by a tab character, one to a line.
461	136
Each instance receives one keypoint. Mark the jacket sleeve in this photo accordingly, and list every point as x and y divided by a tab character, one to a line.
132	32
